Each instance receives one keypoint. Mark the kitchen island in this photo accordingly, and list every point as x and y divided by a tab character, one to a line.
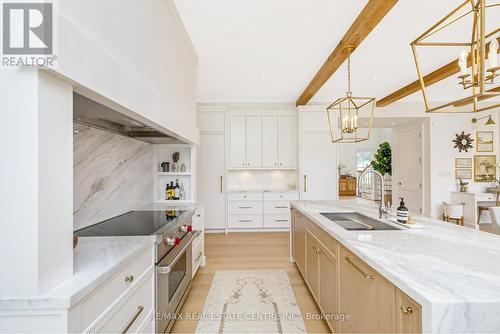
450	273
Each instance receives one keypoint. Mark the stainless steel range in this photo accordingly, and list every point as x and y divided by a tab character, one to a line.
174	235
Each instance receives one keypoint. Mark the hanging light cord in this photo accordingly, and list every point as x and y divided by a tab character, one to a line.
349	75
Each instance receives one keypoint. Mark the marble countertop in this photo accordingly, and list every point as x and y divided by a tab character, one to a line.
96	259
154	206
262	191
452	271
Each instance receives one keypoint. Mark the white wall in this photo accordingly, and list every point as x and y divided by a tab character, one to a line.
36	175
134	56
346	153
443	128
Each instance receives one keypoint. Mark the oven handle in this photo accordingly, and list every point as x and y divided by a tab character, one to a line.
167	269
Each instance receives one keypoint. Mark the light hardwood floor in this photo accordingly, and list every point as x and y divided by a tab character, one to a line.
247	251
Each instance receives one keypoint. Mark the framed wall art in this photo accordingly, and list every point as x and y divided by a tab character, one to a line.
463	163
485	169
463	174
484	141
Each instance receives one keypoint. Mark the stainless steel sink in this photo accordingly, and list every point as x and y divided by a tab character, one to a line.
357	222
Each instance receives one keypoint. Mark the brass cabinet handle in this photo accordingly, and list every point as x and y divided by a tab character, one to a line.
140	308
221	184
281	220
365	275
199	256
281	207
129	279
245	220
245	207
406	309
305	183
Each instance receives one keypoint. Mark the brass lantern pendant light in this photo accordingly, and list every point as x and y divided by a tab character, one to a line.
350	118
477	65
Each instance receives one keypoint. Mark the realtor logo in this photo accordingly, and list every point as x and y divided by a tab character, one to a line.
27	32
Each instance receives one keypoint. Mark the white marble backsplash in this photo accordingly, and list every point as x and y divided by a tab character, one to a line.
278	180
112	175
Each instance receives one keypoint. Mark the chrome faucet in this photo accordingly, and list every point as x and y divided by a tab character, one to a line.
382	210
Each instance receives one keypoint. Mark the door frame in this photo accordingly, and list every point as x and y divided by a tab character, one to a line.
396	190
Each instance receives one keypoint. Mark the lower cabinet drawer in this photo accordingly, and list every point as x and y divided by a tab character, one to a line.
277	221
132	311
197	254
244	207
277	207
486	198
245	221
96	304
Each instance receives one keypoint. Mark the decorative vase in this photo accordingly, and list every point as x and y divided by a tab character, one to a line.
175	167
165	166
183	167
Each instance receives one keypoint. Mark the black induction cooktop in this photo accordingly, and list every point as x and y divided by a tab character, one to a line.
136	223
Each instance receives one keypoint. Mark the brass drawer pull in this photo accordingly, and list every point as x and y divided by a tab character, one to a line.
305	183
245	220
140	308
406	309
221	190
245	207
129	279
281	220
365	275
281	207
199	256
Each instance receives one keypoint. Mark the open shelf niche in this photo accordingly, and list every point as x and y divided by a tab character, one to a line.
163	153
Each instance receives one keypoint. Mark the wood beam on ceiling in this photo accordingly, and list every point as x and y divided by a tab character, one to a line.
367	20
435	76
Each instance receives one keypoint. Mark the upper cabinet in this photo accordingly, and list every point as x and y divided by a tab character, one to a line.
262	142
254	141
237	138
286	141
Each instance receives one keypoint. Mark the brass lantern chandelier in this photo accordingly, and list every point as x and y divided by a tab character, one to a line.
479	53
350	118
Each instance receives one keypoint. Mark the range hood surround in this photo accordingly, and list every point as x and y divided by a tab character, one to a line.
94	114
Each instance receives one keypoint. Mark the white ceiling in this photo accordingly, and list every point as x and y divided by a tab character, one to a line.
258	51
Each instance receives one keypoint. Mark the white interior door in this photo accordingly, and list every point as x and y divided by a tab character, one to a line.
270	141
286	131
237	142
211	168
254	141
318	161
409	160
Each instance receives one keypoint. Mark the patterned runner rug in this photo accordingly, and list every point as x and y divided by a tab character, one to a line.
251	301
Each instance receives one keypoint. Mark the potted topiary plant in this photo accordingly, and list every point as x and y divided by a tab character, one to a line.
382	161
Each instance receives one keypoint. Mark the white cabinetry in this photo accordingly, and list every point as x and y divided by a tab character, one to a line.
245	210
258	142
254	141
270	140
245	142
237	142
286	141
212	168
198	246
318	159
126	300
269	210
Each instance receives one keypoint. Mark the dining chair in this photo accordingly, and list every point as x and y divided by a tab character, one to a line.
495	219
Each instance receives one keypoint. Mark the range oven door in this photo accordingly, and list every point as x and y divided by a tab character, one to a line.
173	279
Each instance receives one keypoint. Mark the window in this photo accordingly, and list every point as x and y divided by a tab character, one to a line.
363	159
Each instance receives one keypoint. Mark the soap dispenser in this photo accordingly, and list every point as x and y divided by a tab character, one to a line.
402	212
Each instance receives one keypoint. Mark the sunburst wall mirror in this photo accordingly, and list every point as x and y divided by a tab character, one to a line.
463	141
